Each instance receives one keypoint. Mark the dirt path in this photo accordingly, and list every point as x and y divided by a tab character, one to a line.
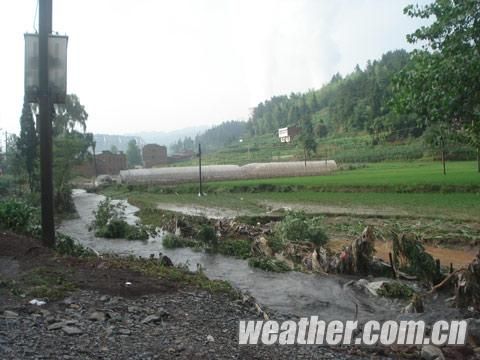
117	313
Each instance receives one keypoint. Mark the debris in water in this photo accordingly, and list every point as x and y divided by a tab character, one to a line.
37	302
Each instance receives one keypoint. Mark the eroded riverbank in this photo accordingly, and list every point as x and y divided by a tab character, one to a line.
289	293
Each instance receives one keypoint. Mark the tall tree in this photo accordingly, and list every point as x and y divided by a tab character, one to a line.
307	138
70	116
70	147
27	145
134	156
442	81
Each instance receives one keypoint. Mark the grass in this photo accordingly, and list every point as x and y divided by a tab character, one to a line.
175	274
413	195
429	205
387	175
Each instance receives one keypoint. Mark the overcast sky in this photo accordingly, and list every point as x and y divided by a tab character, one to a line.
153	65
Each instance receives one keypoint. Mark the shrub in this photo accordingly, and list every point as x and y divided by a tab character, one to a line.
231	247
276	243
396	290
171	241
6	185
110	223
106	212
296	227
207	235
65	245
19	216
268	264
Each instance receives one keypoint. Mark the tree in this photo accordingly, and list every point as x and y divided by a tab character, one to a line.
307	138
442	82
113	149
70	115
134	156
27	146
70	147
438	136
321	130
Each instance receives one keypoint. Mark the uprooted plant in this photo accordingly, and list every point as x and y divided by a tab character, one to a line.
110	223
296	227
409	255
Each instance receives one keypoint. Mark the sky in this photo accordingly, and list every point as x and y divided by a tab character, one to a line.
158	65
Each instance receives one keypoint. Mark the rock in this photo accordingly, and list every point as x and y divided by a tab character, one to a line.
97	316
56	326
70	322
71	330
109	330
124	332
165	260
104	298
431	352
162	312
68	301
133	309
151	318
210	338
45	312
10	314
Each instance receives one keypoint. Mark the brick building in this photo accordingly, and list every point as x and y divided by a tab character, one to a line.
154	155
110	163
107	162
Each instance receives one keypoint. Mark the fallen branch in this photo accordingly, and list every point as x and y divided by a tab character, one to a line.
444	281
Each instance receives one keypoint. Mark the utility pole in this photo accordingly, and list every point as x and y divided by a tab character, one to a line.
45	119
6	145
94	144
200	192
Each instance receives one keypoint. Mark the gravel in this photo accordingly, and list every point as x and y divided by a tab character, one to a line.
182	325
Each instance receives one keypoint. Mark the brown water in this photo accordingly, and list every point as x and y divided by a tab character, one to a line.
327	296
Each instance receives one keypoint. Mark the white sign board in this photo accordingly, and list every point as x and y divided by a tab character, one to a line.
57	68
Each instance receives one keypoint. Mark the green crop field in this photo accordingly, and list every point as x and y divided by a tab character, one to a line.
460	173
388	189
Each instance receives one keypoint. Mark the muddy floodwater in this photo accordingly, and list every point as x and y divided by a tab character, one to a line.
327	296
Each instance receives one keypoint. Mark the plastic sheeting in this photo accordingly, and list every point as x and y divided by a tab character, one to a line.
175	175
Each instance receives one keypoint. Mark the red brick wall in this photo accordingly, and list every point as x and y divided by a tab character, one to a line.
154	155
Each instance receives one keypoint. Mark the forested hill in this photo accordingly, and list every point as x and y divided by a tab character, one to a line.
358	102
214	138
